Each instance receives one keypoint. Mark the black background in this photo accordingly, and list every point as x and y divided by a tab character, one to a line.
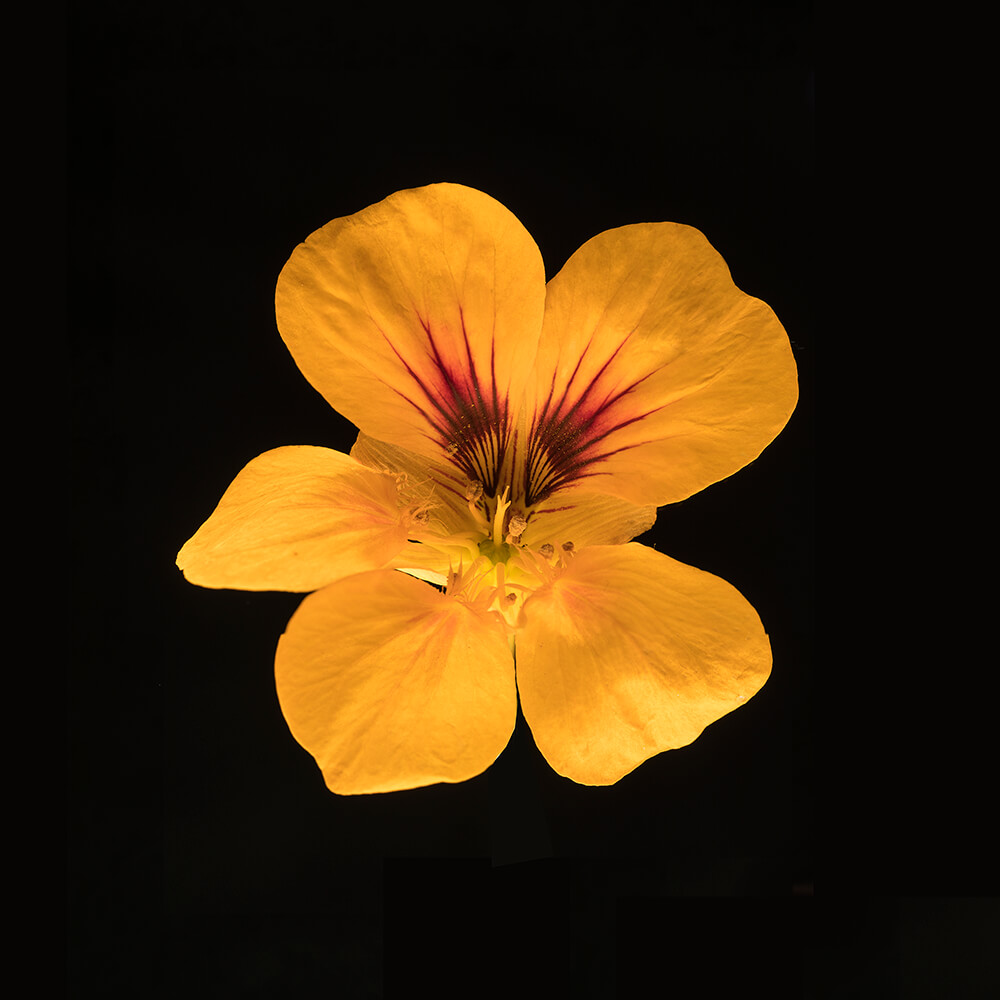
205	142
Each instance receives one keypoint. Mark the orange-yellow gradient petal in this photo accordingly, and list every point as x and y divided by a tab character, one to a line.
630	653
296	518
389	684
586	519
435	489
417	318
656	375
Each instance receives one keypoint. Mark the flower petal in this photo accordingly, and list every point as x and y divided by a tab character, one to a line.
446	533
418	319
657	376
630	653
437	489
390	684
296	518
586	519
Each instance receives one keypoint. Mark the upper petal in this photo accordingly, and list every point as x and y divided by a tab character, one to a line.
630	653
656	375
418	318
296	518
390	684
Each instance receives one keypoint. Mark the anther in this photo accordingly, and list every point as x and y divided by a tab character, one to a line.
518	522
546	550
473	491
567	546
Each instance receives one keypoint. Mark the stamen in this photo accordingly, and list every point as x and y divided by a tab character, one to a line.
454	578
473	493
536	563
547	550
515	528
417	514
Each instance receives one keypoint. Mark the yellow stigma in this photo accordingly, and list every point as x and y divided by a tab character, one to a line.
502	505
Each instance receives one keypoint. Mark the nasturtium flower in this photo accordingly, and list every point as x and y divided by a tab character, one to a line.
514	436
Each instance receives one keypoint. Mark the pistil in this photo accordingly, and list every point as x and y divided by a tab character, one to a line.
502	505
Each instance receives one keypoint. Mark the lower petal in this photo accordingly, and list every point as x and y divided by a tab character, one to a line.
629	653
390	684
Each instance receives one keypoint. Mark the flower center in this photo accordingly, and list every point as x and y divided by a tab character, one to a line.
490	569
495	553
490	452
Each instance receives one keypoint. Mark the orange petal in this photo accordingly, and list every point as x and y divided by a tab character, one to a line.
447	531
436	489
656	375
586	519
630	653
296	518
418	319
389	684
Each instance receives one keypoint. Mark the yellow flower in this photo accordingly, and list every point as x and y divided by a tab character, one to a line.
514	436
